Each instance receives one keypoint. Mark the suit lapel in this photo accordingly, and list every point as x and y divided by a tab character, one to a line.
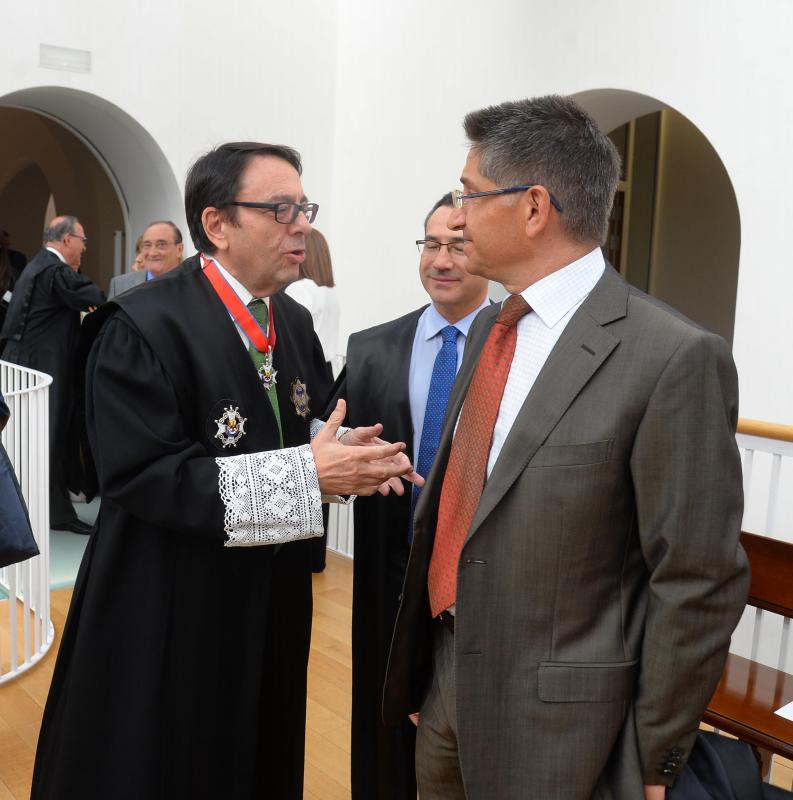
577	356
398	385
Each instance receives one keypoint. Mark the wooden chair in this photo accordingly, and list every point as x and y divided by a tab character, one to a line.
749	692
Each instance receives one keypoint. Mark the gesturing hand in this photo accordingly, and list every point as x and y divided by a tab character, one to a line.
370	436
355	469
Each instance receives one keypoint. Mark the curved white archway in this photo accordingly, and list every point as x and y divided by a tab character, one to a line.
136	165
680	201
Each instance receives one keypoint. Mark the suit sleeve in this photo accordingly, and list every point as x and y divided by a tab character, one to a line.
75	290
148	464
687	479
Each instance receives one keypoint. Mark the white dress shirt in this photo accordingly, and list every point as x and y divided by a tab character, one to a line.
553	301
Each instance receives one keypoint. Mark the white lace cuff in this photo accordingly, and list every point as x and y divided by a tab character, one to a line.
270	497
316	426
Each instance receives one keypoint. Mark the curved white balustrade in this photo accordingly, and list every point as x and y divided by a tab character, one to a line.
26	631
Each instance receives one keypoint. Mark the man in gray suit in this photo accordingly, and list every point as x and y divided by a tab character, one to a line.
161	249
576	570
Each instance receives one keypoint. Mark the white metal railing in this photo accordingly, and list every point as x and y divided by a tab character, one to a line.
767	456
26	630
340	523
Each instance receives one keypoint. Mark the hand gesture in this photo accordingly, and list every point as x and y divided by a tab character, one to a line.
355	469
370	436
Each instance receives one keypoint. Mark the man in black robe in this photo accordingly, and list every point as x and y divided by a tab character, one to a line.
182	667
40	331
388	377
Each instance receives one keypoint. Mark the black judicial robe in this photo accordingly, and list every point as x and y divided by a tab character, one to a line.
374	383
41	331
182	666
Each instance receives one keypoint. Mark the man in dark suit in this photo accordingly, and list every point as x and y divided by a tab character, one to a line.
399	359
40	332
161	249
575	573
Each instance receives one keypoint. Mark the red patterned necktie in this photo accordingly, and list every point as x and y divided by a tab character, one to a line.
466	470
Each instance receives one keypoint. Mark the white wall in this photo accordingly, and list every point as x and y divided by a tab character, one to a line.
408	71
373	94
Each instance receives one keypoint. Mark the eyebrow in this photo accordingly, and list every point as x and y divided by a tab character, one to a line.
286	198
430	237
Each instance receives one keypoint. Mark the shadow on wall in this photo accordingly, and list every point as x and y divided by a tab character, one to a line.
43	158
126	157
675	226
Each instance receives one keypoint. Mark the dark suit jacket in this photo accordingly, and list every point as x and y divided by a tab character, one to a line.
41	332
601	576
375	385
122	283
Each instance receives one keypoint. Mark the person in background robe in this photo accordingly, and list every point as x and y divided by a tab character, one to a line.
41	331
400	373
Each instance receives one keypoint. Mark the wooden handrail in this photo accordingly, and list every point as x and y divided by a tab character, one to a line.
767	430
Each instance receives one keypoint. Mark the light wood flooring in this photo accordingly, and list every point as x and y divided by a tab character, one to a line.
329	685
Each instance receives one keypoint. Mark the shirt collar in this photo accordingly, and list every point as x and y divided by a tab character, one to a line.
435	323
238	288
57	253
556	294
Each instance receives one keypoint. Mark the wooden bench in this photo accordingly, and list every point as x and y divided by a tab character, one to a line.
749	692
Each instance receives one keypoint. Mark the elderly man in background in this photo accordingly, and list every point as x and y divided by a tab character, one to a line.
161	250
41	330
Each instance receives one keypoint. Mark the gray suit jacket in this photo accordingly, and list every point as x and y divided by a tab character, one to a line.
601	576
122	283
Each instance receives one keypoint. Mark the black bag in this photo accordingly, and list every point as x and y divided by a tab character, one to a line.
16	537
721	768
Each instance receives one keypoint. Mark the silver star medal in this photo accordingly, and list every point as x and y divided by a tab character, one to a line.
231	426
266	371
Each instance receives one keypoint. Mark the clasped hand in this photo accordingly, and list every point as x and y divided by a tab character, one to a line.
360	463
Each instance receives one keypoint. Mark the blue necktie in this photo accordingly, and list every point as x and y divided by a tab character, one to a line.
443	373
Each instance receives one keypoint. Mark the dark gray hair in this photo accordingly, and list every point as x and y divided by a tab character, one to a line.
446	200
551	141
58	228
177	234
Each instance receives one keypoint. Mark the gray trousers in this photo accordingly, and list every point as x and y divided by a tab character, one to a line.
438	772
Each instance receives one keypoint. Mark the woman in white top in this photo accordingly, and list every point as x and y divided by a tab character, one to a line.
316	291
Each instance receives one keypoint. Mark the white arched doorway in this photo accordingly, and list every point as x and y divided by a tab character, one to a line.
133	162
675	229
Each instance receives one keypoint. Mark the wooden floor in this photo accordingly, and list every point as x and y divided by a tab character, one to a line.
329	686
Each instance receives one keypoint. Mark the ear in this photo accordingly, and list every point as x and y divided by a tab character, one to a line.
536	203
215	223
180	249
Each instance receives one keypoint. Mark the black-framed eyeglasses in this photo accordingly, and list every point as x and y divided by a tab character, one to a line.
285	213
433	247
458	198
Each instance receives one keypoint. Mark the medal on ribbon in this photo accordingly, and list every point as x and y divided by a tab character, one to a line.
300	398
231	426
264	343
266	372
